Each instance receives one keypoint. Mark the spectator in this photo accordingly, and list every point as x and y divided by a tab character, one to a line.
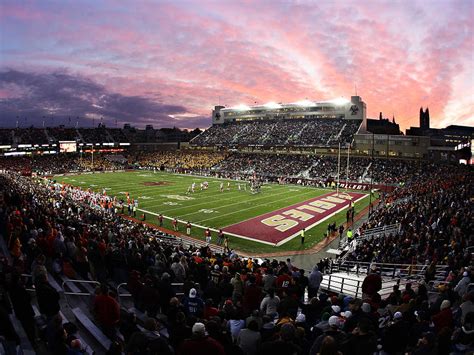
107	311
314	281
149	341
249	338
372	283
47	297
200	343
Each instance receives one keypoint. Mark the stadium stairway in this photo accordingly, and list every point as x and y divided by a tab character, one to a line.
366	171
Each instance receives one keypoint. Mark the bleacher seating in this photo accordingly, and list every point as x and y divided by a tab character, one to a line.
294	132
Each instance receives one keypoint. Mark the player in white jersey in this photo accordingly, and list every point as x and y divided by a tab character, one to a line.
221	187
193	187
228	185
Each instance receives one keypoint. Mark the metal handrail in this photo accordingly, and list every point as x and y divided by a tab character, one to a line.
67	293
78	281
122	294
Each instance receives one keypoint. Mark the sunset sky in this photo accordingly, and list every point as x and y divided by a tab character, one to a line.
167	63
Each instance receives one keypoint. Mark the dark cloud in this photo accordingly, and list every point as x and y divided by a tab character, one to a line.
58	96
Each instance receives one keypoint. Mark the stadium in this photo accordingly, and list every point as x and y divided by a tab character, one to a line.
154	221
236	177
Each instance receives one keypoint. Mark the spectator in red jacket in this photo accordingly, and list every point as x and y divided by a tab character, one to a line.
107	311
444	318
372	284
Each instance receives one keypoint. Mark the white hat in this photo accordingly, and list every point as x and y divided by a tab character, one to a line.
347	314
301	318
336	309
333	321
445	304
192	293
465	273
199	328
216	267
398	315
365	307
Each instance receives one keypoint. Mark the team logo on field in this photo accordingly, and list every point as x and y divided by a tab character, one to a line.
204	210
170	203
178	197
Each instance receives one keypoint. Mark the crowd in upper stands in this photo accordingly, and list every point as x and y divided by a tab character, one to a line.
294	132
99	134
232	305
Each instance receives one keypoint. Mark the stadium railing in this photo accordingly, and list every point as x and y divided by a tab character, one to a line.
388	270
352	285
377	232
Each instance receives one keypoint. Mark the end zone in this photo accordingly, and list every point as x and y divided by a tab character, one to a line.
280	226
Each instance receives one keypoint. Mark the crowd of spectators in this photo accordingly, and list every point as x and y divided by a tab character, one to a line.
181	160
271	166
59	164
230	305
264	165
290	132
318	167
435	212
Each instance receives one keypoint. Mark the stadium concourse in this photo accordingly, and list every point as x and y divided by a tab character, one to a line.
151	293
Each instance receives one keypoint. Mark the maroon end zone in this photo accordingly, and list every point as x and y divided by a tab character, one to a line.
280	226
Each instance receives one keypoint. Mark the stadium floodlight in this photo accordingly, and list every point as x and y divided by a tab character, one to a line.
304	103
241	107
272	105
339	101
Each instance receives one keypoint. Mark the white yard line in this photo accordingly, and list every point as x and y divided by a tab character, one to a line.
254	206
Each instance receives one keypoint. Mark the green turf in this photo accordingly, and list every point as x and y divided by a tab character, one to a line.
210	208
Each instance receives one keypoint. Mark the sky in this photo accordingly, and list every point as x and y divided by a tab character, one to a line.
167	63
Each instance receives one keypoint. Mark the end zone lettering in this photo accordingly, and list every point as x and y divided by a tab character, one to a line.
281	225
323	205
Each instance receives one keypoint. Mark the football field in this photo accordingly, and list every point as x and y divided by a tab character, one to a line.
258	222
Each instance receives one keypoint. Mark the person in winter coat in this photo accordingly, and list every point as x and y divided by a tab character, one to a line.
47	297
371	284
461	287
314	281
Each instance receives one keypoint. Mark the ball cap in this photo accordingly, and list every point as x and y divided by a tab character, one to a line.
192	293
333	321
301	318
398	315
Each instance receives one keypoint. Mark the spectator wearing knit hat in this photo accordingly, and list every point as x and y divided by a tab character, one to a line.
372	283
200	343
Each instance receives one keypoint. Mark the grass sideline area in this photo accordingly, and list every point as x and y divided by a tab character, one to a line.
166	193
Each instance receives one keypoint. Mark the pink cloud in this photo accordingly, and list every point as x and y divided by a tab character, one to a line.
399	55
